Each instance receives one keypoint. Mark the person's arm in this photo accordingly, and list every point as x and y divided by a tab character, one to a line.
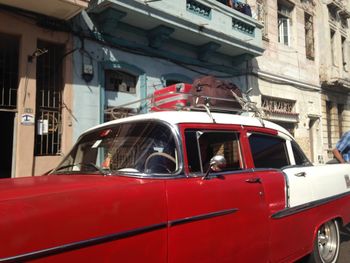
338	155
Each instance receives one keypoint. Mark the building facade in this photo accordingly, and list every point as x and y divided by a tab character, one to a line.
35	81
289	79
129	49
61	75
334	71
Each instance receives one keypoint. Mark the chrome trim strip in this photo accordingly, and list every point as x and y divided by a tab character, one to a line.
218	174
300	208
81	244
109	238
286	190
201	217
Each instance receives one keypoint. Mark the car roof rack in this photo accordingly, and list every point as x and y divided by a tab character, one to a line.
154	103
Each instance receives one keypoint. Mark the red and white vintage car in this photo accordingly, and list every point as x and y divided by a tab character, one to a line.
178	186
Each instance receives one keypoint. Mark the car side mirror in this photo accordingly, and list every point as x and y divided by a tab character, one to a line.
217	164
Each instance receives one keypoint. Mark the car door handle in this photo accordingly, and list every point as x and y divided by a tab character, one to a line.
254	180
301	174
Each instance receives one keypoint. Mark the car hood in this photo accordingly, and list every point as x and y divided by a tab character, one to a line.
43	213
30	187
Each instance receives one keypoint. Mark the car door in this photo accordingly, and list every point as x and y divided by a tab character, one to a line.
222	218
273	151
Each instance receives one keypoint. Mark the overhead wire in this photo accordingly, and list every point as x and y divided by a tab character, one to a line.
81	34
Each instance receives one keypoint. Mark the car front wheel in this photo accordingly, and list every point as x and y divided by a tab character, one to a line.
326	246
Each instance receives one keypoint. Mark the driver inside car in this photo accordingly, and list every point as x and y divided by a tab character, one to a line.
162	159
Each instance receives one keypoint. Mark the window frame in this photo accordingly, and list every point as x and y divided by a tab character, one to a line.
110	72
344	51
49	99
329	123
309	35
262	16
333	49
178	173
238	134
295	148
284	14
9	70
286	148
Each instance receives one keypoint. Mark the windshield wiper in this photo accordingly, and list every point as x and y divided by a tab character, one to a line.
102	171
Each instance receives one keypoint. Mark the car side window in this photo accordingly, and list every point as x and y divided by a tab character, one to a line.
268	151
201	146
299	156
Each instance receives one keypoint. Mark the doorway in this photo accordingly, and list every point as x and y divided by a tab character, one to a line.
6	143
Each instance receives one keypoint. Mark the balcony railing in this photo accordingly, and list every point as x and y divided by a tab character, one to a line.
196	22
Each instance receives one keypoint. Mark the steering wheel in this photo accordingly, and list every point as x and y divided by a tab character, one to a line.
165	155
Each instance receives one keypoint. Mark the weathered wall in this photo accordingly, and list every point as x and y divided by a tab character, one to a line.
29	34
284	72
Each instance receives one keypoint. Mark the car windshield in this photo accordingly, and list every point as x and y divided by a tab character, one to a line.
139	147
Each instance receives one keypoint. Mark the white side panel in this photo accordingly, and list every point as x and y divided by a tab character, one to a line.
307	184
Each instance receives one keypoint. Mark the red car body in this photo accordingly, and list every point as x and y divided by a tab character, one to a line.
235	216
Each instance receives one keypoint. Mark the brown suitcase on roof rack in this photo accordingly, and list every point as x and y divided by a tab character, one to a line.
215	93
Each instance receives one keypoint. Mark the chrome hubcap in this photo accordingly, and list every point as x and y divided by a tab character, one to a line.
328	242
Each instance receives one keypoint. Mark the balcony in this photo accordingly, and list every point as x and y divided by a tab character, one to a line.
207	25
60	9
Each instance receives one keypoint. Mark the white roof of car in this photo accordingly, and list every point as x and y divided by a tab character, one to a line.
176	117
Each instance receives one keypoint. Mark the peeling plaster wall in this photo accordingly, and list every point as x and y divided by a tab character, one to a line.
288	74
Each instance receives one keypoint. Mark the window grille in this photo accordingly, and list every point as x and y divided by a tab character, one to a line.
309	36
277	105
9	46
49	99
120	81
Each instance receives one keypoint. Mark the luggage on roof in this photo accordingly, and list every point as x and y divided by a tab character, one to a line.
216	93
174	97
208	91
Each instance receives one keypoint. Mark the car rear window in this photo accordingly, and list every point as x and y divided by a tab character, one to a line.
268	151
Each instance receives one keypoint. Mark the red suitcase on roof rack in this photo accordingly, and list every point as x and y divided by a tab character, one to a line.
173	97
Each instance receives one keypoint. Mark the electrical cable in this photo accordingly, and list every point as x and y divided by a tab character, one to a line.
145	53
87	35
188	66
